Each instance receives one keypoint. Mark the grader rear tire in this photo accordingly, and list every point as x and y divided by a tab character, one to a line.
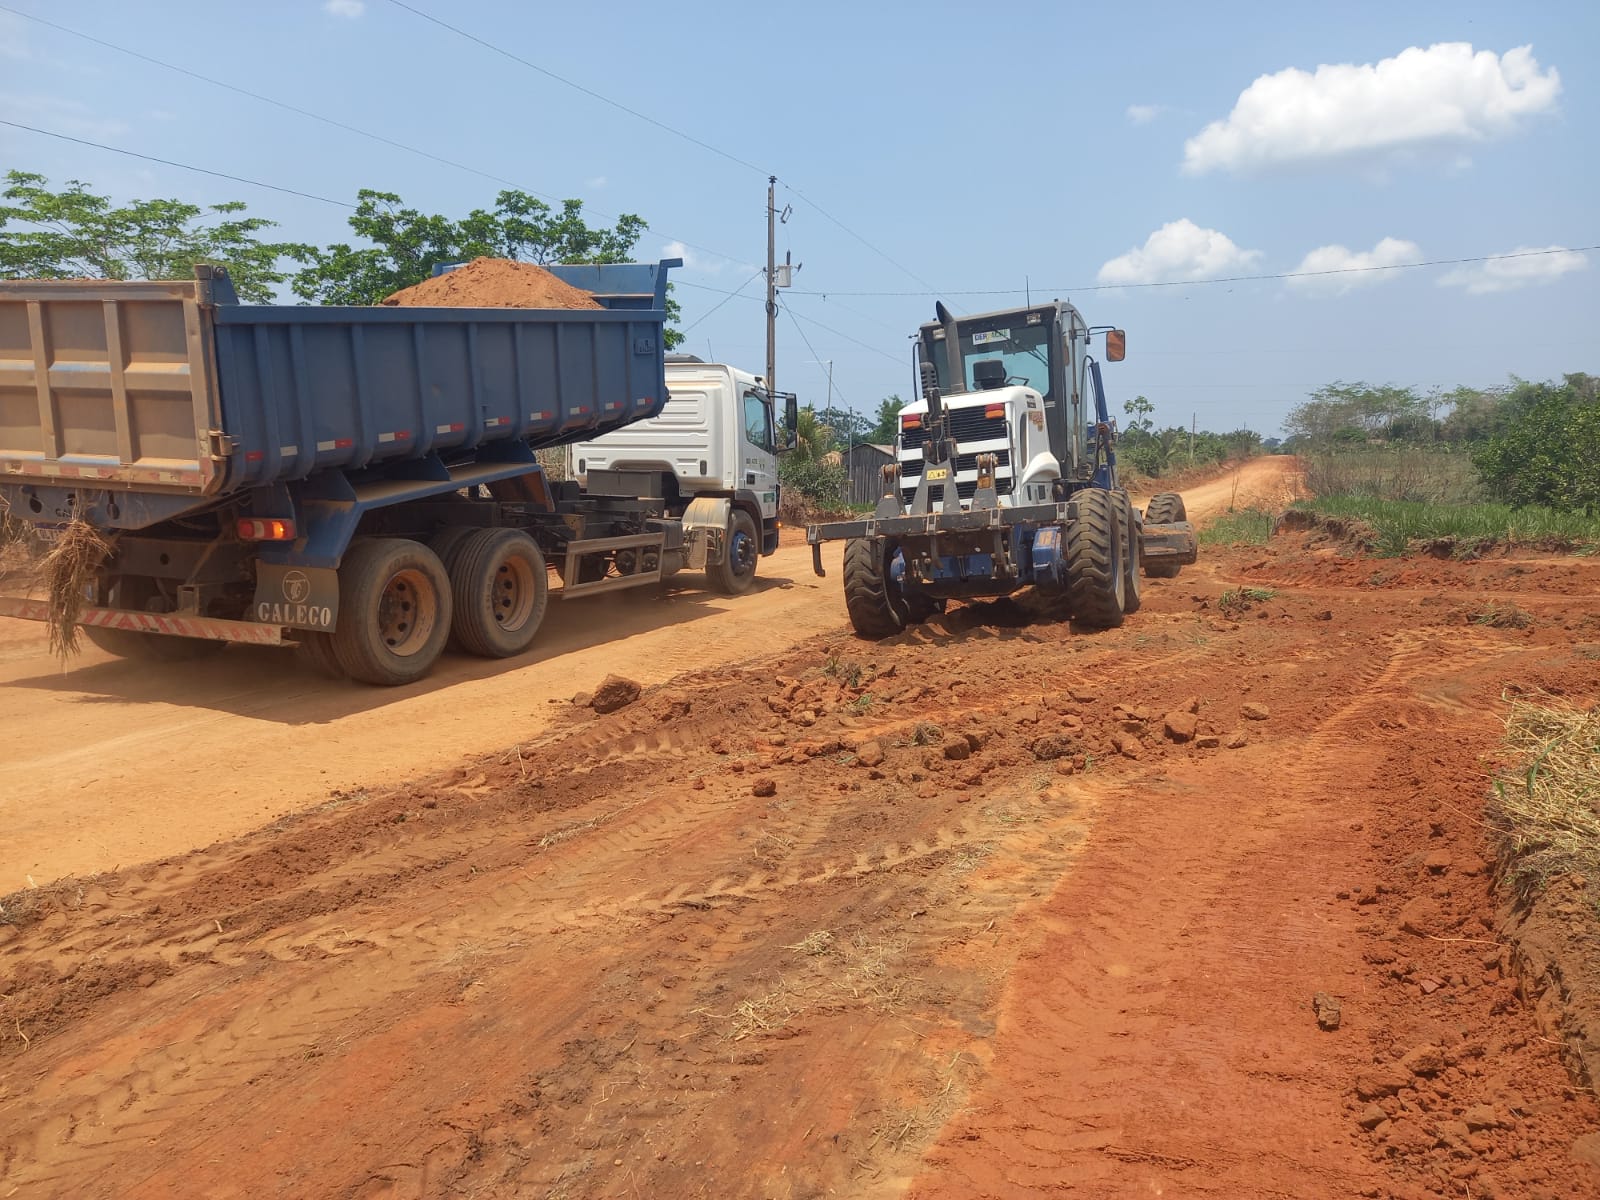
1094	552
1164	509
868	597
1131	598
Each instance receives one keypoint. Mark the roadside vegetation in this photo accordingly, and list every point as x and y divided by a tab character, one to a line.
1547	813
1459	472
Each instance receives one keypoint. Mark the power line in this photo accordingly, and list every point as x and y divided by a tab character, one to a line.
167	162
881	254
633	112
532	66
337	124
836	333
831	385
728	296
1112	287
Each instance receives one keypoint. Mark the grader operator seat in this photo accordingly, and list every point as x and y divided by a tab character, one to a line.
988	374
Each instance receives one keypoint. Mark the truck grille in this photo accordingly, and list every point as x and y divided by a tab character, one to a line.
971	430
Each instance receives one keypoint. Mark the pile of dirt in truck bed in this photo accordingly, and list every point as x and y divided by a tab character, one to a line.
493	283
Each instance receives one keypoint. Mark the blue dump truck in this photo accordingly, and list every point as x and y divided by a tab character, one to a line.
359	482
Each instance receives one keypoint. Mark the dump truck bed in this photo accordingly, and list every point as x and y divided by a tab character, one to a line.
170	389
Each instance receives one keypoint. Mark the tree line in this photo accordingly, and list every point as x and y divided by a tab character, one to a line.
74	233
1530	442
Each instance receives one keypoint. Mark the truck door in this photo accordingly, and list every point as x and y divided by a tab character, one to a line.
758	463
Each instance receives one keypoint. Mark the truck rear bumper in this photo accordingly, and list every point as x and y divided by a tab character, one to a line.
171	624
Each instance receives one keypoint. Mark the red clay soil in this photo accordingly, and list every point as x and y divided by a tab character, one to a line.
493	283
994	908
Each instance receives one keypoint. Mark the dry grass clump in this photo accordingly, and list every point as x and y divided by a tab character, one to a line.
68	570
1548	815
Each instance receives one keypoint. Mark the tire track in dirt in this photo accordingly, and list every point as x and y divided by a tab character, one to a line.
600	964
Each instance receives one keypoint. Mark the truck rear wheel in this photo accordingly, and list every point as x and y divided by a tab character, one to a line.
1131	599
500	589
316	651
1094	561
394	611
1164	509
737	570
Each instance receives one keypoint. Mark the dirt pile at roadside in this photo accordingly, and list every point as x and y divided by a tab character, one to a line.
493	283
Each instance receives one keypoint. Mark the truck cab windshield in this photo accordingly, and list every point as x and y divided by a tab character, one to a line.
1022	350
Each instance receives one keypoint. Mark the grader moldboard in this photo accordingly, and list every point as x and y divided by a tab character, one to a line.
1000	483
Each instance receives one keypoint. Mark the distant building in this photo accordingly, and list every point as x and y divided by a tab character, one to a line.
863	465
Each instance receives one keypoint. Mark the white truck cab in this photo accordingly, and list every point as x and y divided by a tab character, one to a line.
715	439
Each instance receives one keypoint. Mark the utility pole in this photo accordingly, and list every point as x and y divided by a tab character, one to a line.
1194	421
772	286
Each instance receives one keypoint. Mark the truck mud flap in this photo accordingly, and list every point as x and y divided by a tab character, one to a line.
214	629
1174	543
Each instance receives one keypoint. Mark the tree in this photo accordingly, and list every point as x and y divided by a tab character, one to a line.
1353	412
848	428
75	234
406	245
1548	450
1141	414
886	425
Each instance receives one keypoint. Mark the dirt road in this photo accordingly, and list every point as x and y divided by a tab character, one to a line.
113	762
110	763
991	909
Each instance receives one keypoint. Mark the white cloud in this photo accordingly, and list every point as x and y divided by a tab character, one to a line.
595	184
1538	264
1360	263
1447	94
1179	250
1143	114
348	9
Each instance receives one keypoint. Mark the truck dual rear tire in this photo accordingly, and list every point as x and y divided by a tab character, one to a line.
1094	552
737	570
1165	508
394	611
500	590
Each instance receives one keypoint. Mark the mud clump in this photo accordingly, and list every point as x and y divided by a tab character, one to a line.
493	283
613	693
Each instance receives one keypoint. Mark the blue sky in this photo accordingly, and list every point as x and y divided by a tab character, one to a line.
939	148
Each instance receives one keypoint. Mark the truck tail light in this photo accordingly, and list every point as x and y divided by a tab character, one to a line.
994	411
266	529
912	422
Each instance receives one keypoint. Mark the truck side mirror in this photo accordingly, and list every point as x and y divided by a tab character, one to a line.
791	421
1116	345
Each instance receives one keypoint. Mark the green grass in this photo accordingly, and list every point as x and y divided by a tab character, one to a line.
1398	523
1247	526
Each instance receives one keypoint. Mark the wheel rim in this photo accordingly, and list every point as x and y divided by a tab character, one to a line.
407	611
743	555
513	594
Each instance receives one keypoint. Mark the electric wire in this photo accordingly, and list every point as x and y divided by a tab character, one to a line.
688	137
843	403
532	66
729	296
167	162
337	124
